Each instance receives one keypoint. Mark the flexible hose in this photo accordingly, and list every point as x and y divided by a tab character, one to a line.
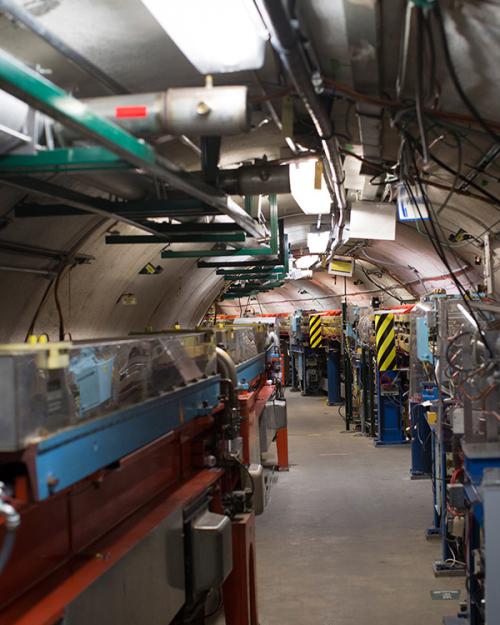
226	366
12	522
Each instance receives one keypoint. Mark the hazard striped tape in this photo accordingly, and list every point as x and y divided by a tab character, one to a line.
385	338
314	331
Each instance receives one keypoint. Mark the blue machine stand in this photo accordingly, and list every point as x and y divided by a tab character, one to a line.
421	443
390	408
333	374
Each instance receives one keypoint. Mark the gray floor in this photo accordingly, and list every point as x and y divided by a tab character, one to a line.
342	542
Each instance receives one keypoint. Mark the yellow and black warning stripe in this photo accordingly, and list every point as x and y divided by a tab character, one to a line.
315	331
386	342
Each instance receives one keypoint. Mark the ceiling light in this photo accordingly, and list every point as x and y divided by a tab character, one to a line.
317	242
305	262
308	186
218	36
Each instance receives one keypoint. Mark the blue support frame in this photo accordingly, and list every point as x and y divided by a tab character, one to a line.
421	443
75	453
333	375
390	428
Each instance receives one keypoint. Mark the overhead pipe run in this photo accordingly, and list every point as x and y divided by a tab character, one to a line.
198	111
255	180
25	84
288	46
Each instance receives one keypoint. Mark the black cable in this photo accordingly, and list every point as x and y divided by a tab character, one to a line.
441	253
58	306
379	286
453	75
419	96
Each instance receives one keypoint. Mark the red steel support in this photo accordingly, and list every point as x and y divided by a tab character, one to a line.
282	448
240	590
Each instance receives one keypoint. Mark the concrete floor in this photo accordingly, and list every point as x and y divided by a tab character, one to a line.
342	541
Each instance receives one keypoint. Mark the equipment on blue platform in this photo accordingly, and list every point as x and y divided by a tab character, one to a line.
423	389
308	362
333	372
81	406
469	378
391	381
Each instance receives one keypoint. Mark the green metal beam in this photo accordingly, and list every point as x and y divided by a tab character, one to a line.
232	277
204	253
133	210
147	239
29	86
243	272
62	159
235	264
95	205
200	228
282	259
270	250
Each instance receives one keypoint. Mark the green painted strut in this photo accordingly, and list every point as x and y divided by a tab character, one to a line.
62	159
29	86
271	250
146	239
243	272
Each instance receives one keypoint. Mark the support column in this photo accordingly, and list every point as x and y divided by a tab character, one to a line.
240	589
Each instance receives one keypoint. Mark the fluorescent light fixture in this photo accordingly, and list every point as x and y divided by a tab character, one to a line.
217	36
317	242
305	262
308	186
467	315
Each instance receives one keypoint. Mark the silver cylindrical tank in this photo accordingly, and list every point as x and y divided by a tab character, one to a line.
193	111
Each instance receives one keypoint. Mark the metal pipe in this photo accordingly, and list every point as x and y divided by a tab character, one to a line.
41	94
24	17
255	180
226	366
12	522
199	111
288	46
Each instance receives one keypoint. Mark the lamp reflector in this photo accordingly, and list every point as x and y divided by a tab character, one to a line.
308	187
217	36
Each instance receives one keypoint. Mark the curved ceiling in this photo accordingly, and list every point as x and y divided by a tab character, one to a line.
75	279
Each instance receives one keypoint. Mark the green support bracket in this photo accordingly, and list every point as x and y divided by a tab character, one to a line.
253	276
140	209
243	272
32	88
62	159
147	239
210	253
199	228
282	259
271	250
